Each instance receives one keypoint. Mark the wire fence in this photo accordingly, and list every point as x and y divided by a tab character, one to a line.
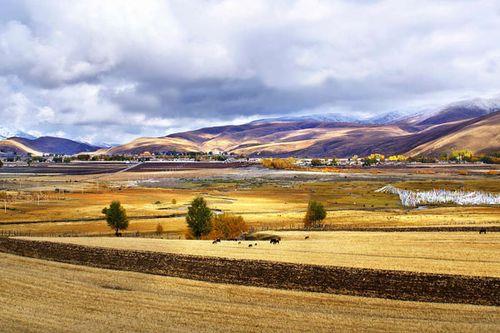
136	234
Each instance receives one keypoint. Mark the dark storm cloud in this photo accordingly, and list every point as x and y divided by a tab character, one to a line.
114	70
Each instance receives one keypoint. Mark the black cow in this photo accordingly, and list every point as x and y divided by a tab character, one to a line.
482	231
274	241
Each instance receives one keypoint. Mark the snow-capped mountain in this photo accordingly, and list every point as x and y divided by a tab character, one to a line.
466	109
488	104
8	133
460	110
329	117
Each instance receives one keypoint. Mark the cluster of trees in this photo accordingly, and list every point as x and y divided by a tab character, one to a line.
279	163
316	162
422	159
119	158
461	155
465	155
373	159
202	223
397	158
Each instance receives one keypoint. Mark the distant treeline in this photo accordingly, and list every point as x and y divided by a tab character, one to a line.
454	156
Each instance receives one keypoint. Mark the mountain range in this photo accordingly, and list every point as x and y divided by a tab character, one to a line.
472	124
45	145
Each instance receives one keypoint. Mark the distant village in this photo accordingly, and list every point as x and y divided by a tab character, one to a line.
13	159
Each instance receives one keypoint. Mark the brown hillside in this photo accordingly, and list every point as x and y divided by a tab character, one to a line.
482	136
451	128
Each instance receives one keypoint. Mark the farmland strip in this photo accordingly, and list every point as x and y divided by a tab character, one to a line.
409	286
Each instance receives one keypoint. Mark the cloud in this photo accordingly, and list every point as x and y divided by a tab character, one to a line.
114	70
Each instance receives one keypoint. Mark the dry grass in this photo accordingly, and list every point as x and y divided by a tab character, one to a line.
264	204
45	296
432	252
350	204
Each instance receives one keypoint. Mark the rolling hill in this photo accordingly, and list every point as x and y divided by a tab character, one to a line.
472	124
46	144
468	124
481	136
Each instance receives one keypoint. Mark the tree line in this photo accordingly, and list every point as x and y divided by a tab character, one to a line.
202	223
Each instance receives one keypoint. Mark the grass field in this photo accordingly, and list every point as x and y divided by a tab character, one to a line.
465	253
37	295
41	295
266	201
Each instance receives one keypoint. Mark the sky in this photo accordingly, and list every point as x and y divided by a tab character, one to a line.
111	71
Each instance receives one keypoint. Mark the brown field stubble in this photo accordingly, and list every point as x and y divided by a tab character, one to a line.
465	253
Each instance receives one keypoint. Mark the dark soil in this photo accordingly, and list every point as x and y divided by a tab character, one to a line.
408	286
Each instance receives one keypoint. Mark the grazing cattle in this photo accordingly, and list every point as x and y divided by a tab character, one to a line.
255	244
307	237
239	242
482	231
249	245
216	241
274	241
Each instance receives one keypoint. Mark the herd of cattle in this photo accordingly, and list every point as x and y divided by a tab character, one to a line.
273	240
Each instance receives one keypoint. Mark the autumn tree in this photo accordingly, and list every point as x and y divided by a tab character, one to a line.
316	162
159	229
397	158
279	163
199	217
462	155
116	216
227	226
315	214
373	159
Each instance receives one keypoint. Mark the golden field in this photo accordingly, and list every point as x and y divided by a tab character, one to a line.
38	295
463	253
264	203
